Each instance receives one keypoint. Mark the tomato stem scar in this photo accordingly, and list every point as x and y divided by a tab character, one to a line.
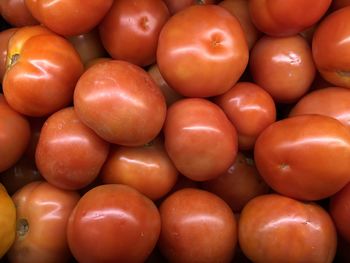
22	226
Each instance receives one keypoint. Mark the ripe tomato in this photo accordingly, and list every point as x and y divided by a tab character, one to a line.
7	221
120	102
14	135
69	155
69	17
4	39
208	57
42	216
43	70
131	29
331	48
113	223
286	17
197	226
16	13
199	138
175	6
305	157
275	228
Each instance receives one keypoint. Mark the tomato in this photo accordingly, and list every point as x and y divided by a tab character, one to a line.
42	216
199	138
274	228
283	66
120	102
131	29
331	48
14	135
113	223
7	221
250	108
240	9
146	168
239	184
4	38
286	17
197	226
16	13
208	57
304	157
69	17
178	5
43	70
331	101
69	155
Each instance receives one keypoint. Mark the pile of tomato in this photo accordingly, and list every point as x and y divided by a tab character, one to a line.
175	131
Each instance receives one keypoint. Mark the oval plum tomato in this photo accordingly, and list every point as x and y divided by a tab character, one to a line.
130	30
7	221
4	39
146	168
120	102
304	157
175	6
43	69
69	155
42	217
274	228
283	66
113	223
331	48
202	57
14	135
250	108
16	13
69	17
199	138
197	226
332	101
286	17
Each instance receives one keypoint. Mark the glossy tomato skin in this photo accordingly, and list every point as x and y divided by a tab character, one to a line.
208	57
283	66
131	29
14	135
43	71
42	216
175	6
69	17
16	13
199	138
197	226
286	17
331	101
274	228
113	223
250	109
4	39
304	157
120	102
331	48
69	155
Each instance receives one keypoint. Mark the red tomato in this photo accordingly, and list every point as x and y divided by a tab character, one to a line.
14	135
250	109
305	157
42	216
331	48
197	226
4	39
69	17
131	29
120	102
113	223
274	228
16	13
43	70
202	57
239	184
69	155
331	101
199	139
283	66
286	17
178	5
146	168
